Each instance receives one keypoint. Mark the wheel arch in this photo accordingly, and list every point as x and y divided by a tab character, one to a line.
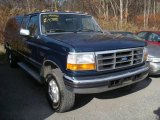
66	97
46	63
7	46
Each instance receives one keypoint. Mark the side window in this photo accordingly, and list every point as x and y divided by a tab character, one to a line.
33	25
154	37
25	22
142	35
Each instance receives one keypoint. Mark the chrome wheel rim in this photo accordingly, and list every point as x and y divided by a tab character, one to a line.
53	91
10	58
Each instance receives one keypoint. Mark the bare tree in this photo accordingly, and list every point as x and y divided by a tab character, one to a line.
28	6
126	12
148	12
145	9
114	12
121	13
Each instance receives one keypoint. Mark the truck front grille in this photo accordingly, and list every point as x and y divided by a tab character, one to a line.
114	59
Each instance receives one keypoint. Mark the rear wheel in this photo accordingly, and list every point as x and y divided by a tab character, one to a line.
11	58
60	98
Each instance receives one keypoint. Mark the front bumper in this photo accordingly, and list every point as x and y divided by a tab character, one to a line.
154	68
97	84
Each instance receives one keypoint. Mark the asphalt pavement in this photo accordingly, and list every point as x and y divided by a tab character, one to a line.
22	98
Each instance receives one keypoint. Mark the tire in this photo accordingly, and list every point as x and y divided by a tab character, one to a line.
59	97
11	58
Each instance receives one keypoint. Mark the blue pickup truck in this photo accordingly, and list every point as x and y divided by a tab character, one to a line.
70	54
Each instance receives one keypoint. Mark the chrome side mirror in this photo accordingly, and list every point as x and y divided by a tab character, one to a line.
24	32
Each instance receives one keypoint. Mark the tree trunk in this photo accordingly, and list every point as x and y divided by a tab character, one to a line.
154	12
144	22
121	14
114	12
148	12
107	13
29	9
126	12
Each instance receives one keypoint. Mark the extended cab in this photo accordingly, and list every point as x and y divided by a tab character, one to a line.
70	53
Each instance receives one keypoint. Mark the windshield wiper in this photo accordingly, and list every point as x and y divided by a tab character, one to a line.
55	30
85	30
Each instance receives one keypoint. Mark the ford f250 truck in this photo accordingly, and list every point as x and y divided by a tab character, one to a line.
69	52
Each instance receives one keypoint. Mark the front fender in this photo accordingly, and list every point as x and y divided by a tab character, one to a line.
58	62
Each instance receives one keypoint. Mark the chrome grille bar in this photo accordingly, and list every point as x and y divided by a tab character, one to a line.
114	59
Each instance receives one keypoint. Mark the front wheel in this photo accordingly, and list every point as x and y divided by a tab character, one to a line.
60	98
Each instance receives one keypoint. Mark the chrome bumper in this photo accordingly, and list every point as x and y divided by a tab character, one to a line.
97	84
154	68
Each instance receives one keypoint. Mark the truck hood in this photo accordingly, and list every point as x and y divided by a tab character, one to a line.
85	42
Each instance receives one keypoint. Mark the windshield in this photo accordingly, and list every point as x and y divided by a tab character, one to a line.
52	23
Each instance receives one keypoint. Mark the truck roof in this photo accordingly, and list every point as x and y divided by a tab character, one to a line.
59	12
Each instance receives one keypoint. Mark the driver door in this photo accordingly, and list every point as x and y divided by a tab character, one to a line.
28	46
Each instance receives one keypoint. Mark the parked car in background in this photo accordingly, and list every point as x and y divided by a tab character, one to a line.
154	59
153	53
152	37
127	34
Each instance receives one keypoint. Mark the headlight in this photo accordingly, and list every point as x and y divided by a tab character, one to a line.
145	54
153	59
81	61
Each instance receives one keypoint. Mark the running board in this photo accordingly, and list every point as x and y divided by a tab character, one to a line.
30	71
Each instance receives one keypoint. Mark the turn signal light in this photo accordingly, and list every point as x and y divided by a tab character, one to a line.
78	67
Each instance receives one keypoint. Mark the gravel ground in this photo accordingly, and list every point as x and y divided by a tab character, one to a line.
21	98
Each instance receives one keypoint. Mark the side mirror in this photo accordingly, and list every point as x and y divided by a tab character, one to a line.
24	32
